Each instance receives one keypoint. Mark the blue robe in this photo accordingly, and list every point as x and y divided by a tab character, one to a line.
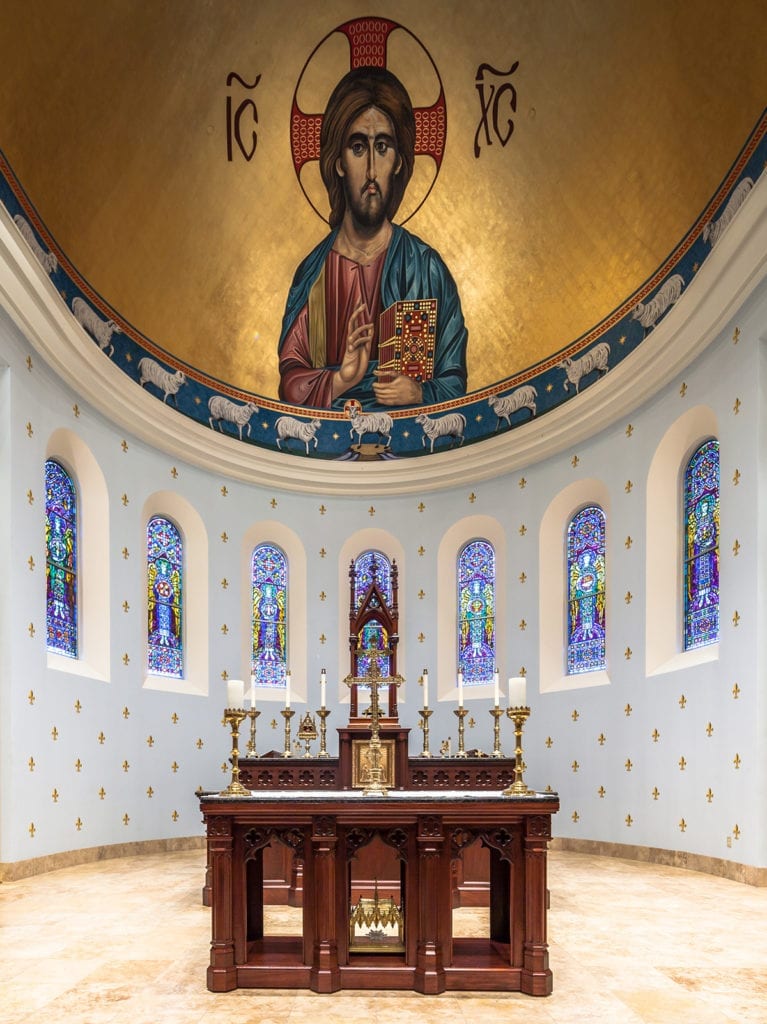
412	270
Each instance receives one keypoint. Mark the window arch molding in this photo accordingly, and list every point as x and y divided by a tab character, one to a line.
370	539
194	538
553	592
454	540
68	449
664	577
271	532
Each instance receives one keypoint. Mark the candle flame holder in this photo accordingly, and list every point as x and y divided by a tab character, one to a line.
497	714
518	788
425	714
287	714
323	714
234	717
461	713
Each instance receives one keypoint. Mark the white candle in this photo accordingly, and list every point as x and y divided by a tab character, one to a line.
252	692
323	679
235	693
425	688
496	690
287	689
460	689
517	688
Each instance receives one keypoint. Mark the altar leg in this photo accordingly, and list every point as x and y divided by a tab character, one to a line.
222	973
320	894
434	892
535	977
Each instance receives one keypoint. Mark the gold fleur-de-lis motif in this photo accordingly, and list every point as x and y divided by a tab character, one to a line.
224	537
225	675
323	510
629	764
736	691
628	542
224	583
126	659
736	406
273	503
683	389
31	697
575	816
199	744
31	764
523	625
682	763
737	761
150	741
224	629
421	594
125	766
736	618
421	551
323	595
124	445
126	606
682	825
76	410
174	472
549	742
627	654
736	831
31	563
736	477
125	500
522	483
629	487
174	767
421	507
421	638
78	765
709	730
150	792
174	718
29	363
31	629
575	716
736	336
78	707
629	820
224	491
574	461
601	738
655	735
523	577
736	548
371	510
709	794
323	552
126	819
30	497
627	710
30	431
102	793
472	497
682	702
629	430
601	791
101	738
323	638
126	713
55	796
522	530
125	553
575	766
79	824
655	793
629	597
175	815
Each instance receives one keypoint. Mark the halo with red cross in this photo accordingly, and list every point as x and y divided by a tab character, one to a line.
368	40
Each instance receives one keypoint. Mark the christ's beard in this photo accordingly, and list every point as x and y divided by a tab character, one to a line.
368	208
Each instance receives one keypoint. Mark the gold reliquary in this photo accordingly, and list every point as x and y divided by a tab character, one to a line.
376	925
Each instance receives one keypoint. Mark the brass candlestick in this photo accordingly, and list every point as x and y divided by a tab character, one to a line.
497	714
323	714
425	714
518	788
461	713
252	715
287	714
233	717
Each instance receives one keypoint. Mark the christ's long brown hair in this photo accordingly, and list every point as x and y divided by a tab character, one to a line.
357	91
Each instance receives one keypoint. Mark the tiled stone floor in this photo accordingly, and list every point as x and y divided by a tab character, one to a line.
126	942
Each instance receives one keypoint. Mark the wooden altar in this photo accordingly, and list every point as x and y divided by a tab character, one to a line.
428	830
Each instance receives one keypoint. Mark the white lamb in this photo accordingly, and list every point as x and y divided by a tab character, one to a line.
151	372
102	330
714	229
287	426
595	359
46	259
504	405
451	425
223	411
648	313
370	423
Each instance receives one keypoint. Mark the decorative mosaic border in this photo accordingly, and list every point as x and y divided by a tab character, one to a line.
324	434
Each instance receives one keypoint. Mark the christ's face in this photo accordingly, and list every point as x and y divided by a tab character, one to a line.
368	162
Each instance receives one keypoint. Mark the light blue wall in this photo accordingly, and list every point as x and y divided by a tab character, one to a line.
725	372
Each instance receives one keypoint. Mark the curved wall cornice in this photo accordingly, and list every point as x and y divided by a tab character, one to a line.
726	279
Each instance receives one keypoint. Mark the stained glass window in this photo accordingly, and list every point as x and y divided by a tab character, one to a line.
369	566
61	560
165	577
269	586
586	591
701	559
476	612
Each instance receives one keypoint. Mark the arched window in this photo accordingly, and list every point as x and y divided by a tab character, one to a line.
586	591
61	563
269	590
476	612
701	550
165	584
369	566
